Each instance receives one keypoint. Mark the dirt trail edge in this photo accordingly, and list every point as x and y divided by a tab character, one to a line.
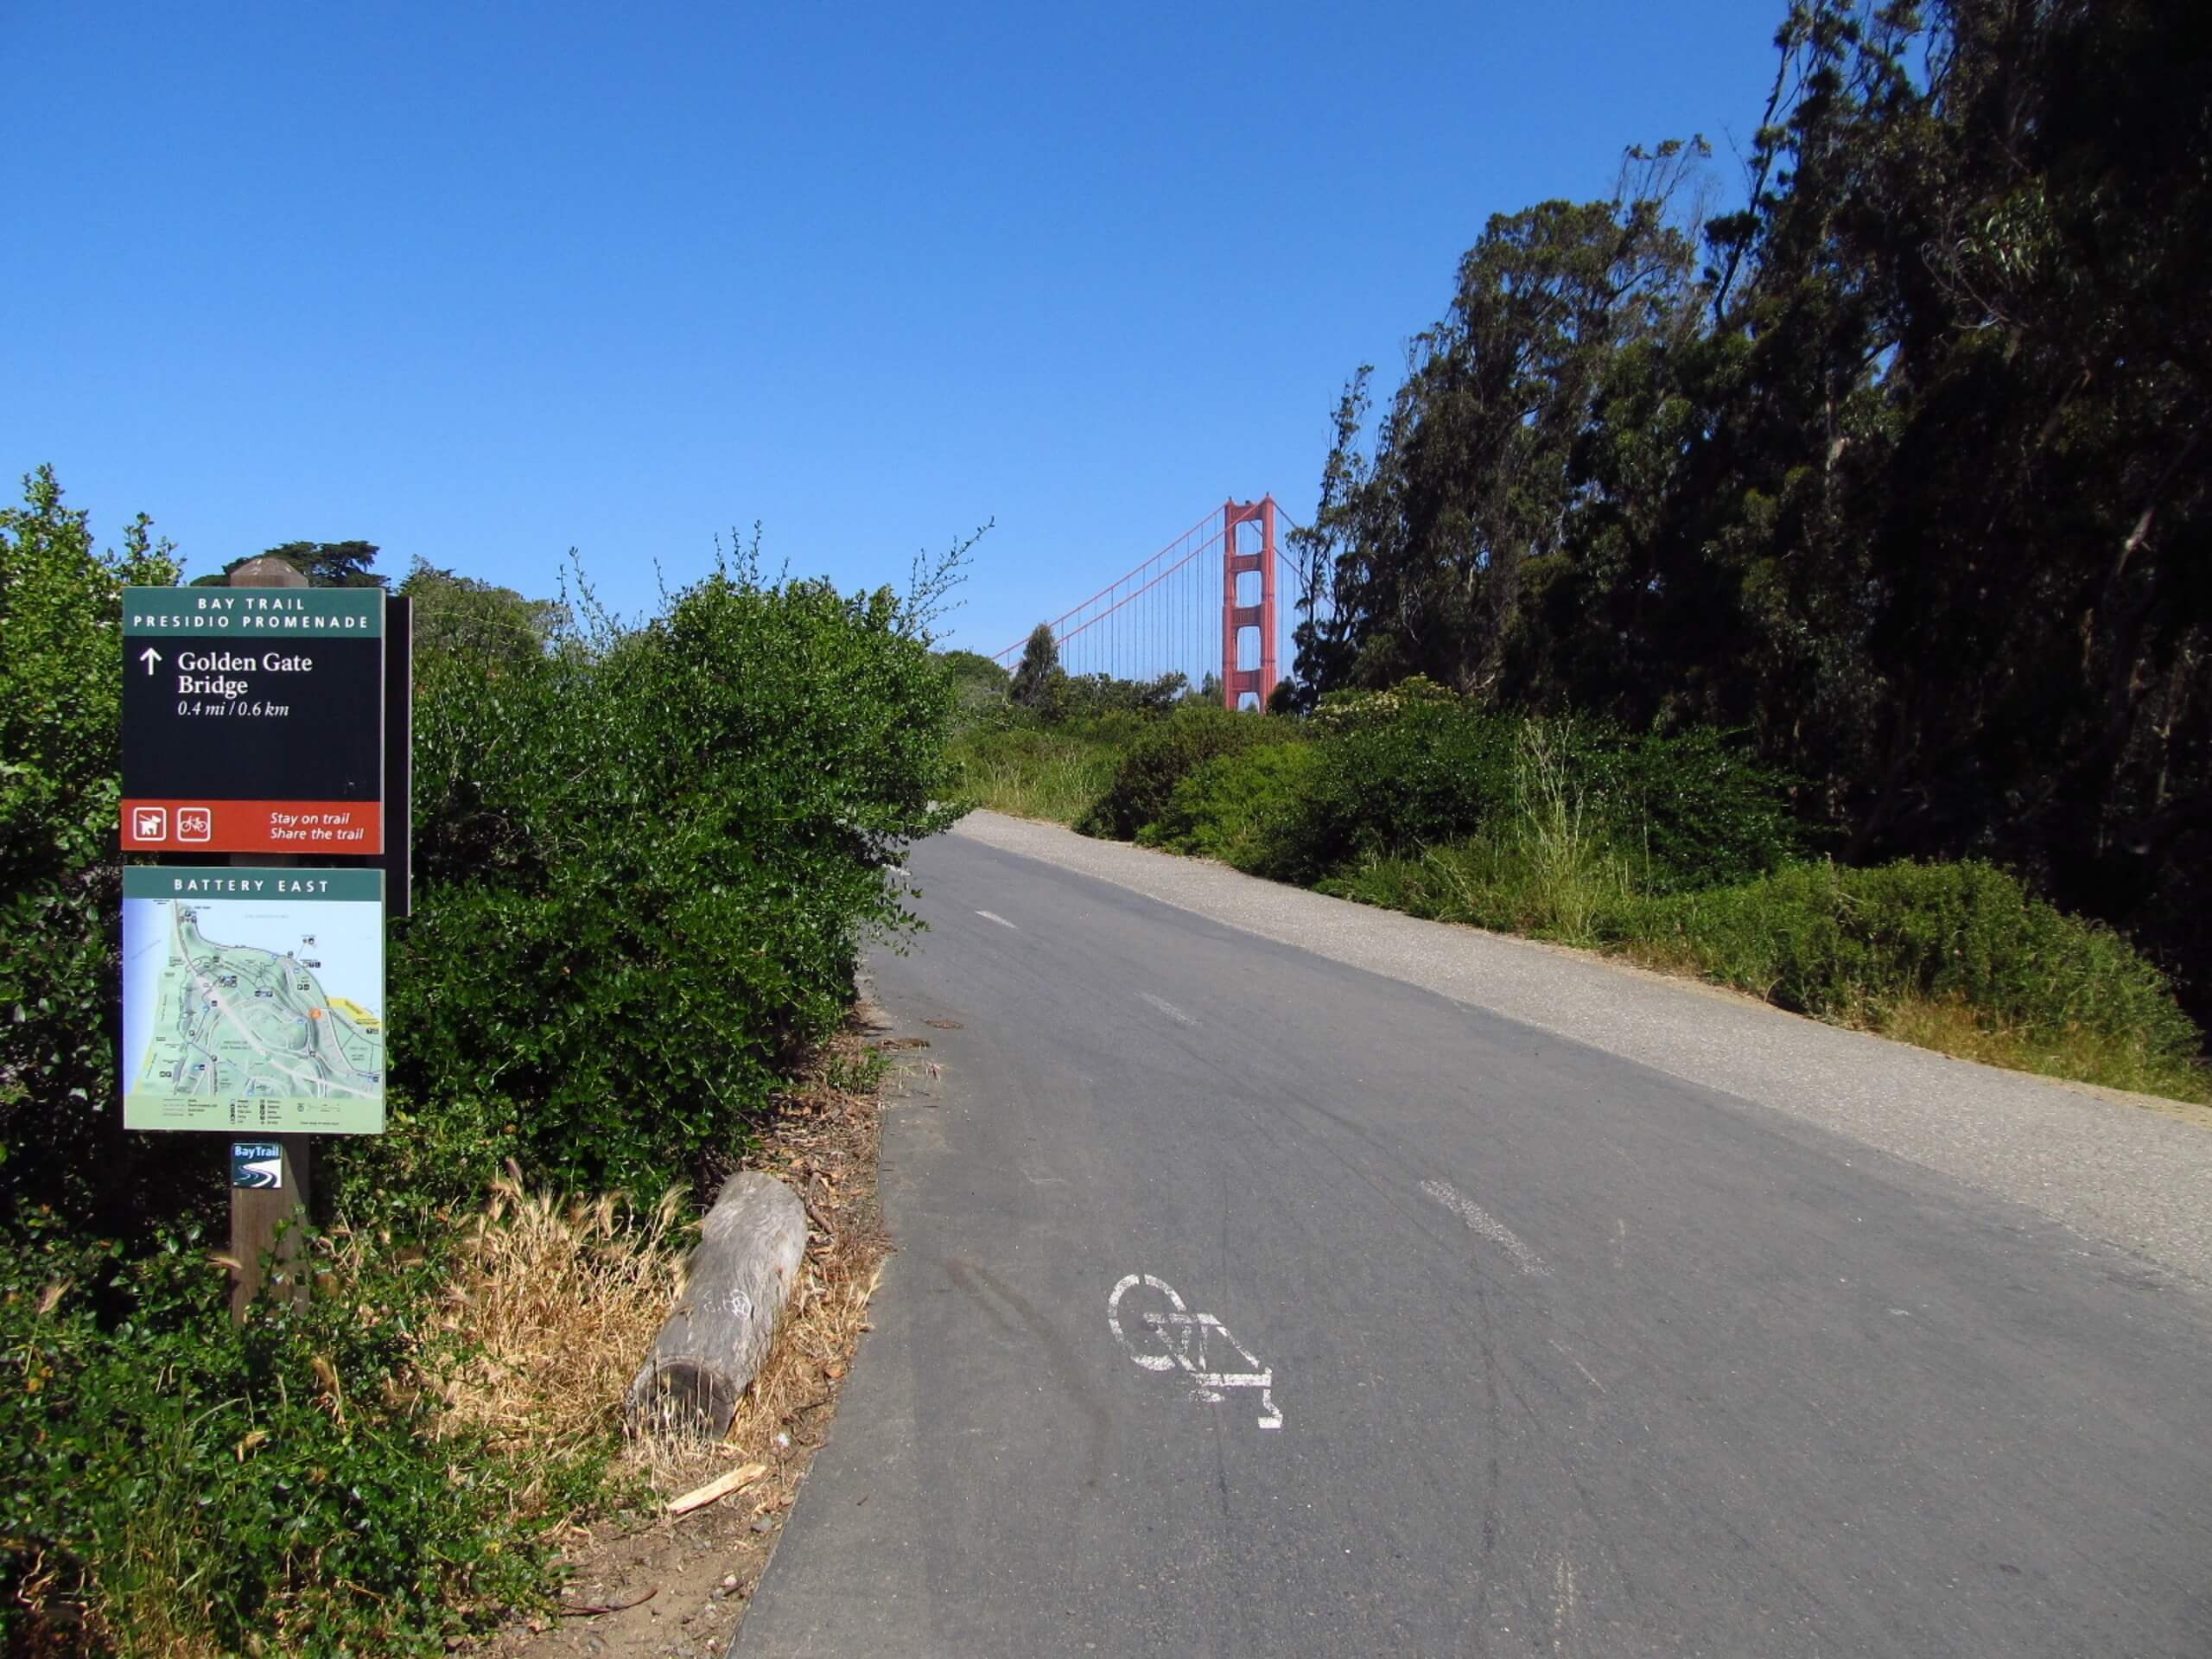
641	1585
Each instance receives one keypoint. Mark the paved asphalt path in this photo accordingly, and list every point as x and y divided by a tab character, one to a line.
1570	1356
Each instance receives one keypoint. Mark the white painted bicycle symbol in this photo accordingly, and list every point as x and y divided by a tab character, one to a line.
1159	1332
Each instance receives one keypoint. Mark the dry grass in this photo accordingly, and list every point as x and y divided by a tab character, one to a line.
559	1298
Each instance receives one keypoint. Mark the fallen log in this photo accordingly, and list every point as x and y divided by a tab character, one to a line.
735	1286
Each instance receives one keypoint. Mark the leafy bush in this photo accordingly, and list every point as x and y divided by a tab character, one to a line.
174	1484
1420	771
1358	709
1390	782
1239	807
1163	755
648	858
645	859
61	749
1854	944
1690	809
979	684
1088	696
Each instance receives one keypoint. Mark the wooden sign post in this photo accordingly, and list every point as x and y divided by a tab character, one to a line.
258	1232
259	1214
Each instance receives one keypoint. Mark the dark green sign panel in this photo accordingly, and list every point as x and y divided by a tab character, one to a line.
253	720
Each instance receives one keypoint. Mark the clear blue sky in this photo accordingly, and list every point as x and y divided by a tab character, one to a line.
483	283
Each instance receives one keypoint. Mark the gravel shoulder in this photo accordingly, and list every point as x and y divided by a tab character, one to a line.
2093	1159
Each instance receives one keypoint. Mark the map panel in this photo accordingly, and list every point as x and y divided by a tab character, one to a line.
253	999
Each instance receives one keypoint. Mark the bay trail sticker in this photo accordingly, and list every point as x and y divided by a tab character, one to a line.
256	1164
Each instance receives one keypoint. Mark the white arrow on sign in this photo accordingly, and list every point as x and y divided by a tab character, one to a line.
149	657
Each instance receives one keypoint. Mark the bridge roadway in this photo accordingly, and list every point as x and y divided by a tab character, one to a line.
1571	1355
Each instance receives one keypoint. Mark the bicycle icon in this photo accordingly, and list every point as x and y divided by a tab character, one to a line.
1159	1332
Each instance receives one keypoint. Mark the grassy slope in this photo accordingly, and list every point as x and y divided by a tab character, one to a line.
1036	773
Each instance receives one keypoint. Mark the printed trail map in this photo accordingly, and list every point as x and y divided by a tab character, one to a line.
258	1002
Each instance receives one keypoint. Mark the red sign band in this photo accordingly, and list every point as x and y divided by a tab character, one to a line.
349	827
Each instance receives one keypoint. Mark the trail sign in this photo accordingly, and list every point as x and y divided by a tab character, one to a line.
253	999
258	1166
253	720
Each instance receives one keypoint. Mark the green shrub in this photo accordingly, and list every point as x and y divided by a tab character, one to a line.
979	684
1089	696
1414	771
1422	774
170	1483
165	1475
1165	753
1356	710
1239	807
1851	944
61	749
1688	808
648	858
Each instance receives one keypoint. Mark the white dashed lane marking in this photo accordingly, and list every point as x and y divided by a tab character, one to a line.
990	916
1168	1009
1480	1221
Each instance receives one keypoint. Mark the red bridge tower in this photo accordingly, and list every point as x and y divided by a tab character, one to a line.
1236	679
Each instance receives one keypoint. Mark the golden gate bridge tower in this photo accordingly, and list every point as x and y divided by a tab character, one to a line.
1259	616
1181	611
